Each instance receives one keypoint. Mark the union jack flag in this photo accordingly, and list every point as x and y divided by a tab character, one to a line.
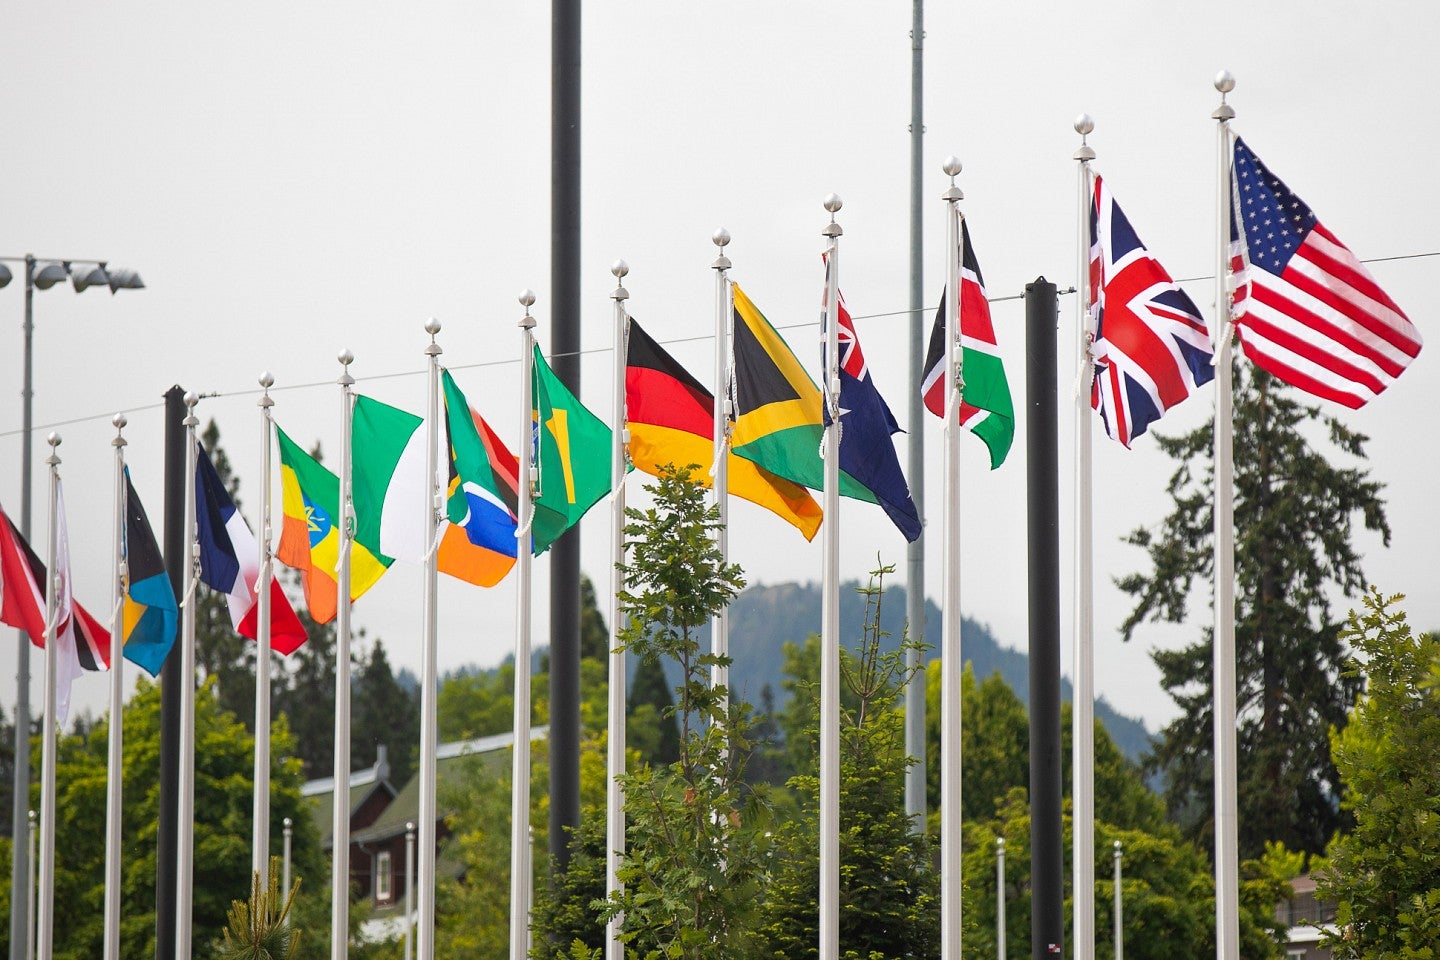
1151	349
1305	307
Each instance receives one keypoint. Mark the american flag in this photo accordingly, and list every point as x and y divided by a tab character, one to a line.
1151	349
1305	307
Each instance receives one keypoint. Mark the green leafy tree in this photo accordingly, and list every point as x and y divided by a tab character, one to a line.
651	726
1168	889
1384	873
1296	516
889	894
224	758
694	859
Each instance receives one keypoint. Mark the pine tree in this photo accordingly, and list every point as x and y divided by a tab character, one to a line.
1295	521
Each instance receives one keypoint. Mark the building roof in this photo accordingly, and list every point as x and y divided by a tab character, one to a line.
405	808
320	793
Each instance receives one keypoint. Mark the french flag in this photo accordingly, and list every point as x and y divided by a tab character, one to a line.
230	561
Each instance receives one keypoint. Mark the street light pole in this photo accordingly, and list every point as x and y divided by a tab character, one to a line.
49	273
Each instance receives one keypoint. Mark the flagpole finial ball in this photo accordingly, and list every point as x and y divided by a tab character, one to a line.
620	268
721	237
952	166
191	398
266	380
345	356
527	298
119	421
1084	124
1224	81
432	326
833	203
53	439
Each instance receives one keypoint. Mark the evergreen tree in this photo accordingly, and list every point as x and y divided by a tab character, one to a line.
650	726
1295	521
889	894
384	712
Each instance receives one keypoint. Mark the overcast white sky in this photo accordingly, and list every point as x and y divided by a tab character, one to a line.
291	179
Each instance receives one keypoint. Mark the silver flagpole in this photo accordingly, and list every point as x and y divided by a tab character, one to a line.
115	771
185	816
830	610
409	889
340	822
1119	906
720	624
999	898
260	837
289	834
429	680
951	667
520	853
33	832
1082	714
45	932
615	738
1227	868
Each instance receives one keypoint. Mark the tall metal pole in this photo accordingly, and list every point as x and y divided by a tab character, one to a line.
185	813
1000	898
20	903
830	609
951	669
260	821
177	563
1227	867
1047	912
288	835
1082	715
429	676
409	889
30	889
114	768
915	460
520	854
1119	907
340	814
615	738
565	360
45	924
720	430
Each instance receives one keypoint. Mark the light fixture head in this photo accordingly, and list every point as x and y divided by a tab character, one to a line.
47	273
86	275
5	275
123	278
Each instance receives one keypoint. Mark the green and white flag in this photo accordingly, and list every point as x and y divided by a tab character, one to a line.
388	480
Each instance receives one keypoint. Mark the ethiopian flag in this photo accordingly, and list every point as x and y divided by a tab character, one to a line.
671	421
310	539
481	498
572	456
778	408
149	609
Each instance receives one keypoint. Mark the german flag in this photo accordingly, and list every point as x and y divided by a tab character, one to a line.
671	421
778	407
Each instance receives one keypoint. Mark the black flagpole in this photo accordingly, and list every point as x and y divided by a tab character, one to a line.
176	555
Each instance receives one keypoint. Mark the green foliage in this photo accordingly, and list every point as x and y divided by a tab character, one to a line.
1385	872
259	929
1295	515
694	861
650	725
889	894
224	760
1167	884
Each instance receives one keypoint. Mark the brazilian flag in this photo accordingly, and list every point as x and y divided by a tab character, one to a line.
572	456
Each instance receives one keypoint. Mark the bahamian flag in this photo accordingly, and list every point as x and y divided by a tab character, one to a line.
478	544
778	411
572	462
310	536
149	611
867	454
